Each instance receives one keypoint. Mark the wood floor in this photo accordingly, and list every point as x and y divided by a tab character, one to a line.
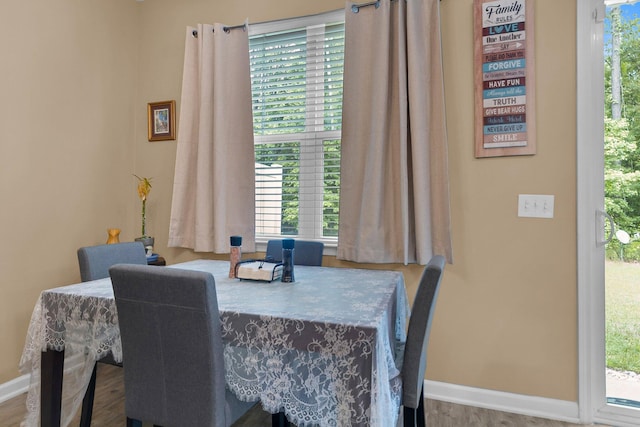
109	410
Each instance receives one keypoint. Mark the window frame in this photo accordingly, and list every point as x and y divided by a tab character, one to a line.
314	131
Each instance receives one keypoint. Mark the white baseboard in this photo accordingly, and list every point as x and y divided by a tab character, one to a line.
541	407
489	399
14	388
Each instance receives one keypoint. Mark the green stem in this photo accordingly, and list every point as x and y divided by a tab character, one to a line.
144	210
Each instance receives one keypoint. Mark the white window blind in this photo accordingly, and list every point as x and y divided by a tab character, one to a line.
296	81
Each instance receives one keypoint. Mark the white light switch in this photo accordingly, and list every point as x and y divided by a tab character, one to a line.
535	205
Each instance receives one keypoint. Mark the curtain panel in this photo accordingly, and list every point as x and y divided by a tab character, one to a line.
214	184
394	200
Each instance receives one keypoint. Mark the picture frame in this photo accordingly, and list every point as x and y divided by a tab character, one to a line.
505	79
161	120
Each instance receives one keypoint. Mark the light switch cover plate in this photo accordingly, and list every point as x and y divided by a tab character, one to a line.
535	205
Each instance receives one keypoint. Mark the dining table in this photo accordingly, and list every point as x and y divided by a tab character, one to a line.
322	349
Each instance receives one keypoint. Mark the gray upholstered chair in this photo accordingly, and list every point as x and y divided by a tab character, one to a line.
94	262
172	348
415	352
306	252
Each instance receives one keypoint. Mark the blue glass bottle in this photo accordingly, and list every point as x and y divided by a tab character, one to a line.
287	260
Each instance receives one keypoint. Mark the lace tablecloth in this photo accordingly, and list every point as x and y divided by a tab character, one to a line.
321	348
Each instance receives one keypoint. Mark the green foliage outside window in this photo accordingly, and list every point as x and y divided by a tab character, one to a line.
621	148
297	107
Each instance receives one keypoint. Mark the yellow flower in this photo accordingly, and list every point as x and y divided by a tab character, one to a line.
144	187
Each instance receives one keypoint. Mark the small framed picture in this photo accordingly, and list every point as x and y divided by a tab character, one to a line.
161	120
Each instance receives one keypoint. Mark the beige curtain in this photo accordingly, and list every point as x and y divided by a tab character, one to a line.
213	189
394	197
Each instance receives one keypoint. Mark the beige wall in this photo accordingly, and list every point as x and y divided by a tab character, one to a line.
75	130
67	83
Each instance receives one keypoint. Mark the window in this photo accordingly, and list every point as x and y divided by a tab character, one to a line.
296	83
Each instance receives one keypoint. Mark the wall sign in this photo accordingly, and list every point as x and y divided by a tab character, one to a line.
504	78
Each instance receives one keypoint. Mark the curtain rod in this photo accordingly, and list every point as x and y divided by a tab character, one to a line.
226	29
356	7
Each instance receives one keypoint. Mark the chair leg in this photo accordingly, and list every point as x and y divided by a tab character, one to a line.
87	402
409	417
420	416
279	420
414	417
133	422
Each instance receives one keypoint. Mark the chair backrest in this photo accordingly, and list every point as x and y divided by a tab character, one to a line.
171	345
415	353
95	261
306	252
